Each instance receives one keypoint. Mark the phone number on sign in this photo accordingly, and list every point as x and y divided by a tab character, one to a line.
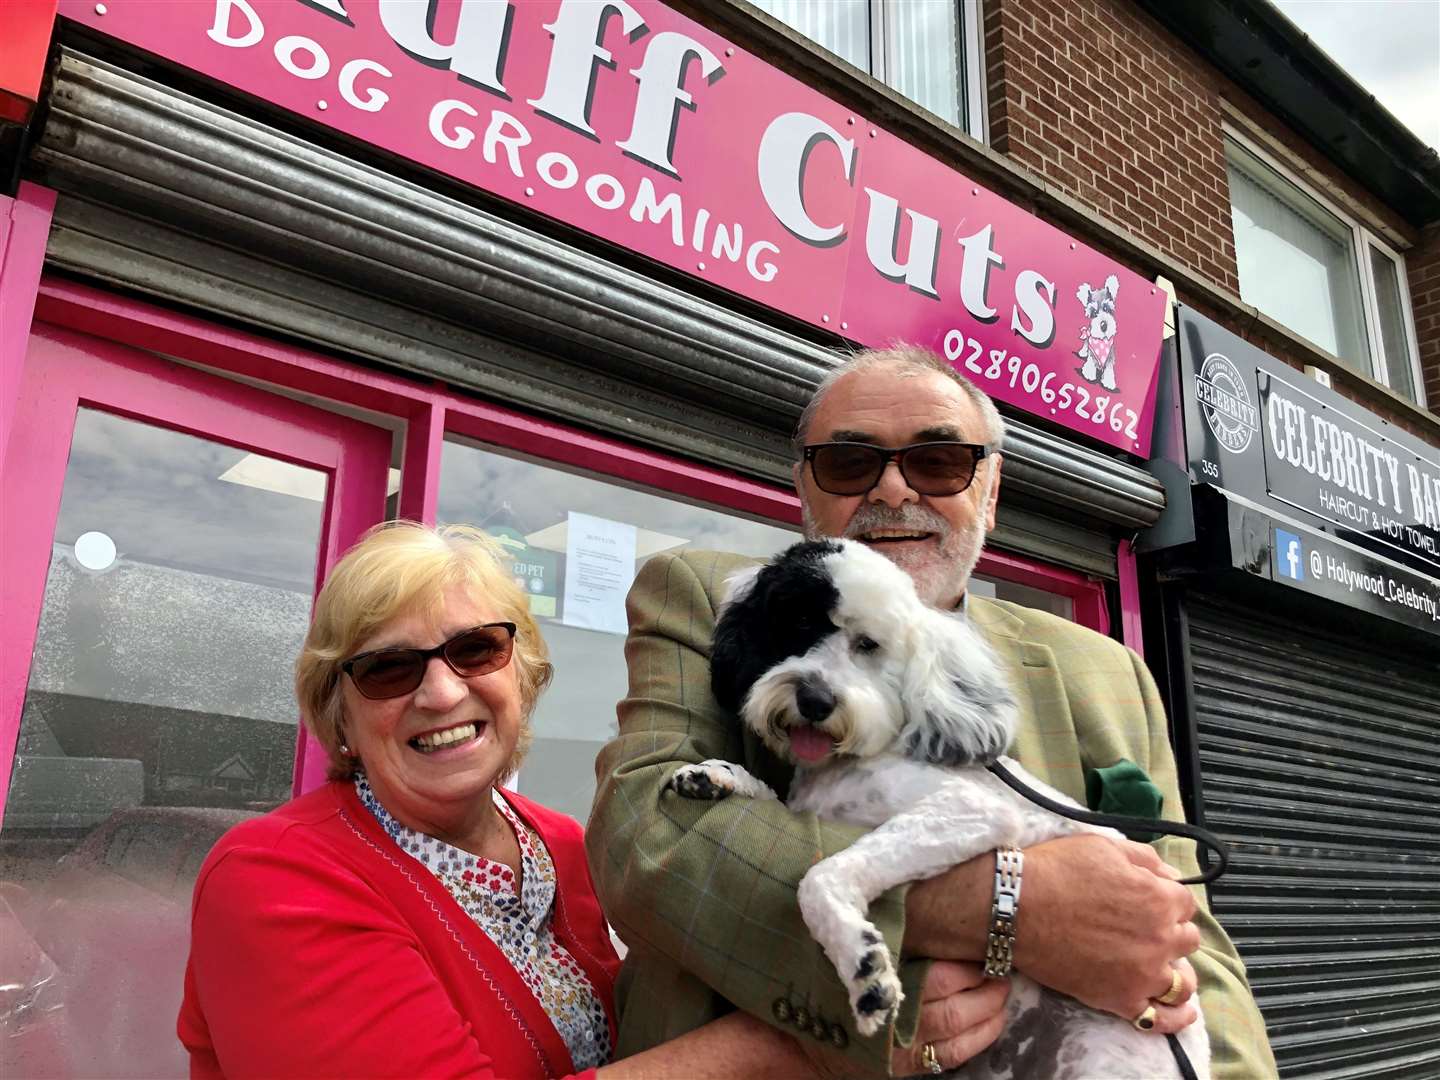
1098	409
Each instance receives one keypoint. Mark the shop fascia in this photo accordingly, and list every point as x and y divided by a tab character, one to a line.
785	153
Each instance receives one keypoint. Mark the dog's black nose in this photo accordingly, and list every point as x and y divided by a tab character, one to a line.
814	700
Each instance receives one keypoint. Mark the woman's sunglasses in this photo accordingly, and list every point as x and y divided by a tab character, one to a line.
391	673
929	468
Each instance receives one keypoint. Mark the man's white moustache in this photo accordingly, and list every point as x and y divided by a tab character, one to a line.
918	518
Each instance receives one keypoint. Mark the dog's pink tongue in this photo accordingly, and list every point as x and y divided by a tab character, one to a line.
810	744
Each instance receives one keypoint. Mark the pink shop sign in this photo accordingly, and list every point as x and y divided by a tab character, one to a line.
629	121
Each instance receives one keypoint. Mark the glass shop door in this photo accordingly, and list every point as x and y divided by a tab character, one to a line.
164	531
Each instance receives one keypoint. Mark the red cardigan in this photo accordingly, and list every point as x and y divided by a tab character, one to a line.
318	948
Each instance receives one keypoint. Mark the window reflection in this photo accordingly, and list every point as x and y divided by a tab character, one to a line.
556	523
911	45
158	713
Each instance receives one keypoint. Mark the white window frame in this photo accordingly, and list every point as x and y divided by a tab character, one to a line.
969	65
1361	240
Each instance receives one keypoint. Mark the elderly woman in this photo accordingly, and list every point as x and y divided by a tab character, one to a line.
412	917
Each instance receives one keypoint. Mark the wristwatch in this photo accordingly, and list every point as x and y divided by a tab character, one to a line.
1000	944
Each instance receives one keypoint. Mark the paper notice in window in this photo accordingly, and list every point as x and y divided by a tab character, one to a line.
599	569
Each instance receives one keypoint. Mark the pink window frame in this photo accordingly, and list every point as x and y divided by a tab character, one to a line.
24	231
1086	594
431	410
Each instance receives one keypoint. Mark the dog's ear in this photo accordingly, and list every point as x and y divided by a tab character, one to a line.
737	657
1083	294
1112	284
959	709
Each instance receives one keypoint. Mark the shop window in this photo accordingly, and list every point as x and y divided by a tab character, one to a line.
178	593
1311	268
577	541
927	50
562	529
1025	595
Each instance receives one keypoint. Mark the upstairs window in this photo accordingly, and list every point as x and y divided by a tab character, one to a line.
1316	271
927	50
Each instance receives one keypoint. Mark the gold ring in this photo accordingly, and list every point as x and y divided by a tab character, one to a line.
1146	1020
1177	983
931	1062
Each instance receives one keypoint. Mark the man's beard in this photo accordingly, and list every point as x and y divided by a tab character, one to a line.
941	576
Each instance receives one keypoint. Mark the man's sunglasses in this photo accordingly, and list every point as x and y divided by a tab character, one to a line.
929	468
391	673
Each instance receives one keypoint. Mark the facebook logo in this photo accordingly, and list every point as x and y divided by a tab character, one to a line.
1289	556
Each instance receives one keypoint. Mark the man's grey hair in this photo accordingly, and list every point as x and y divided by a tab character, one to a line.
906	361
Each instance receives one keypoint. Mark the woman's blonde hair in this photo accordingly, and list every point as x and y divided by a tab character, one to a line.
399	568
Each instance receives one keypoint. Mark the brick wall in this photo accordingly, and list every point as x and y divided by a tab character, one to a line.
1422	265
1099	98
1093	95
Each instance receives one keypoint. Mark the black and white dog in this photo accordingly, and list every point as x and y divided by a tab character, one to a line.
890	711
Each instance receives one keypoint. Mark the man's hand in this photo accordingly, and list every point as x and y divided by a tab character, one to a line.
1100	920
1104	921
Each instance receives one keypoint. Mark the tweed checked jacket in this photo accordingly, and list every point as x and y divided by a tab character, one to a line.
704	893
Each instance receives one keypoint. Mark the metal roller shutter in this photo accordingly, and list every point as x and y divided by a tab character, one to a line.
1320	763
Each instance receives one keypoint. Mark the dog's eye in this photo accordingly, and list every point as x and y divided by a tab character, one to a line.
866	644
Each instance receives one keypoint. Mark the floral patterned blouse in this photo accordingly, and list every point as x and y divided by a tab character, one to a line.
519	922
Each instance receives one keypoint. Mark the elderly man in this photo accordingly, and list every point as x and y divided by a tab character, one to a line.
704	893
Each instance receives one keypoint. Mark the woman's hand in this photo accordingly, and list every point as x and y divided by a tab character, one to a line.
961	1014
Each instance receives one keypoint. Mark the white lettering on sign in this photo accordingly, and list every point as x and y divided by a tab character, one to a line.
882	237
1378	584
783	157
662	95
374	99
785	154
476	54
1362	467
576	57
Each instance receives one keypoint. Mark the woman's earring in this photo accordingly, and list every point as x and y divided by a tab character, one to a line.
345	751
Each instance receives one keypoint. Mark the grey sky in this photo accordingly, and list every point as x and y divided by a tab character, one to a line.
1390	47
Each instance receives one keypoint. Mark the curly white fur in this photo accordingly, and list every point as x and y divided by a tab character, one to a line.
920	704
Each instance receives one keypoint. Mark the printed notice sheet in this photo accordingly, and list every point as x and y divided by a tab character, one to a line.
599	569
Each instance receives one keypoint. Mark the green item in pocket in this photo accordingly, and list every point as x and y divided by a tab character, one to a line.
1123	788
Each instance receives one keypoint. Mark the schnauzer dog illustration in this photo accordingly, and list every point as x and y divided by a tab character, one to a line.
1097	336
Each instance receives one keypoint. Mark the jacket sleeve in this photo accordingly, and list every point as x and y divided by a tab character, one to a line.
704	893
1239	1046
301	969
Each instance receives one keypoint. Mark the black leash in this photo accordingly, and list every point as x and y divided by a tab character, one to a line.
1128	826
1187	1071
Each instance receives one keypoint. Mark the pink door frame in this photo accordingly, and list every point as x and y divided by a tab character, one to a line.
430	411
24	231
65	371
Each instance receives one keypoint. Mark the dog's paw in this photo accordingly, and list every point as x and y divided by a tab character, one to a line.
710	780
875	993
877	1002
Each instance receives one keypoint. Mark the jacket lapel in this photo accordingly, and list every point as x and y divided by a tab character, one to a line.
1045	740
